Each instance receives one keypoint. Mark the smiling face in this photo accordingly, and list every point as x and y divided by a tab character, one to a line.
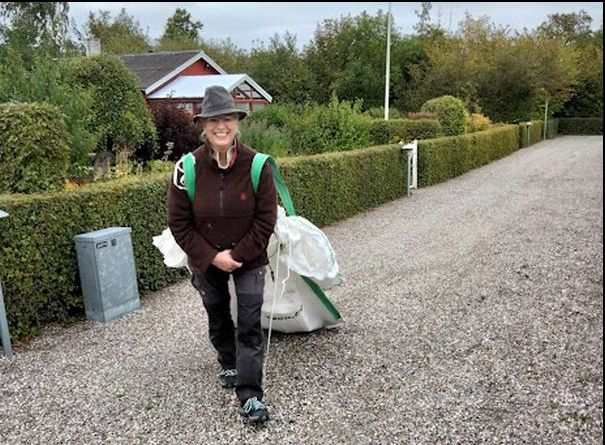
221	130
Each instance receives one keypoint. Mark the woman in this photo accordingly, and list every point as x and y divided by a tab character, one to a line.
225	231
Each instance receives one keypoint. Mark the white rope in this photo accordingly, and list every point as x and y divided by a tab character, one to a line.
275	298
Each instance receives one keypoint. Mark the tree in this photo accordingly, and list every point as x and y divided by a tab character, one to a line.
227	54
346	57
121	36
280	69
119	110
570	27
181	32
34	27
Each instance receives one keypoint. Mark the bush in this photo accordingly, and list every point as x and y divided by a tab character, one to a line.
174	125
478	122
119	109
270	140
421	116
451	112
338	126
34	151
378	113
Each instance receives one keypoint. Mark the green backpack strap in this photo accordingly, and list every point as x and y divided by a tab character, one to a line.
257	167
189	172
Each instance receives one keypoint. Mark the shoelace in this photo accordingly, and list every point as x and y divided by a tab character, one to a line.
253	404
229	372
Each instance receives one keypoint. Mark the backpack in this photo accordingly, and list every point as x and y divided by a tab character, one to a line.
257	167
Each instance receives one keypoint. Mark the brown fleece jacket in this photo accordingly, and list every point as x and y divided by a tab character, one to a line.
226	213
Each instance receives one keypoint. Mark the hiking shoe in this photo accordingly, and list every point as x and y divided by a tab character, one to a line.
228	378
254	411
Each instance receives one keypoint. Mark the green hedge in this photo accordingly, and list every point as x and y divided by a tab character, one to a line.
534	133
332	186
39	270
396	130
581	125
444	158
34	154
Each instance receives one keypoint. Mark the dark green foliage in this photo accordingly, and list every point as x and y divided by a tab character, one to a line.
403	130
266	139
451	112
120	112
34	155
581	125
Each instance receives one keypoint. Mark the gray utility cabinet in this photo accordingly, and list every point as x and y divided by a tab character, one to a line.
107	273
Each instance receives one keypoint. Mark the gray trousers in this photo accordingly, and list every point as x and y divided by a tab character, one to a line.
242	348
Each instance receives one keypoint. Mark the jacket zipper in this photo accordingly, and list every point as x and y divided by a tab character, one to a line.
220	195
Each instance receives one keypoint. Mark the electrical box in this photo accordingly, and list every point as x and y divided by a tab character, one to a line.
107	273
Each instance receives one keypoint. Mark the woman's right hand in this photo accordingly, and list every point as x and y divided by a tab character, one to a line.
225	262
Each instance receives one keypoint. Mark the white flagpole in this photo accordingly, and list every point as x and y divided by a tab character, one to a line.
388	69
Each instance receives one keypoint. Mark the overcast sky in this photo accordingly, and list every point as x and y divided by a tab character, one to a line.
247	24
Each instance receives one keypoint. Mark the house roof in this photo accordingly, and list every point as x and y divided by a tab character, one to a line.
155	69
195	86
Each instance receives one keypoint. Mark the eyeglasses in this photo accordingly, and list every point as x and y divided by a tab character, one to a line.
225	120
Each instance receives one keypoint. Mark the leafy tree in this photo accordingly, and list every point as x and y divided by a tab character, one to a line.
119	110
227	54
280	69
347	57
181	32
122	35
572	27
35	23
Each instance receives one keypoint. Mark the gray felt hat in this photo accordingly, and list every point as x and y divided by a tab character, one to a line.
217	102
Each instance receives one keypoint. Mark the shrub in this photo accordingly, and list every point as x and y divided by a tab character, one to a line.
34	151
478	122
270	140
421	116
174	125
378	113
451	111
119	109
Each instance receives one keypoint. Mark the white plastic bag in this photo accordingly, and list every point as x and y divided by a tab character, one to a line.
173	254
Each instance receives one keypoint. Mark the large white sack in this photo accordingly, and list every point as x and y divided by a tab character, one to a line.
305	249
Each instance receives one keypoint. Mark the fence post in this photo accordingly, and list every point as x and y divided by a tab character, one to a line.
6	340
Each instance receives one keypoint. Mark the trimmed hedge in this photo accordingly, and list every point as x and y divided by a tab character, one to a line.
333	186
39	268
534	133
396	130
444	158
34	151
581	125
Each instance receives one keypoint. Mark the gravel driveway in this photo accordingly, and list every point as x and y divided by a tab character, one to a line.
473	309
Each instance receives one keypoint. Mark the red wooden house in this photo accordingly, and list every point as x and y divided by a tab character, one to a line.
181	77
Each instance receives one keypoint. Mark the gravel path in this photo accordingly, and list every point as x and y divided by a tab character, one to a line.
474	314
